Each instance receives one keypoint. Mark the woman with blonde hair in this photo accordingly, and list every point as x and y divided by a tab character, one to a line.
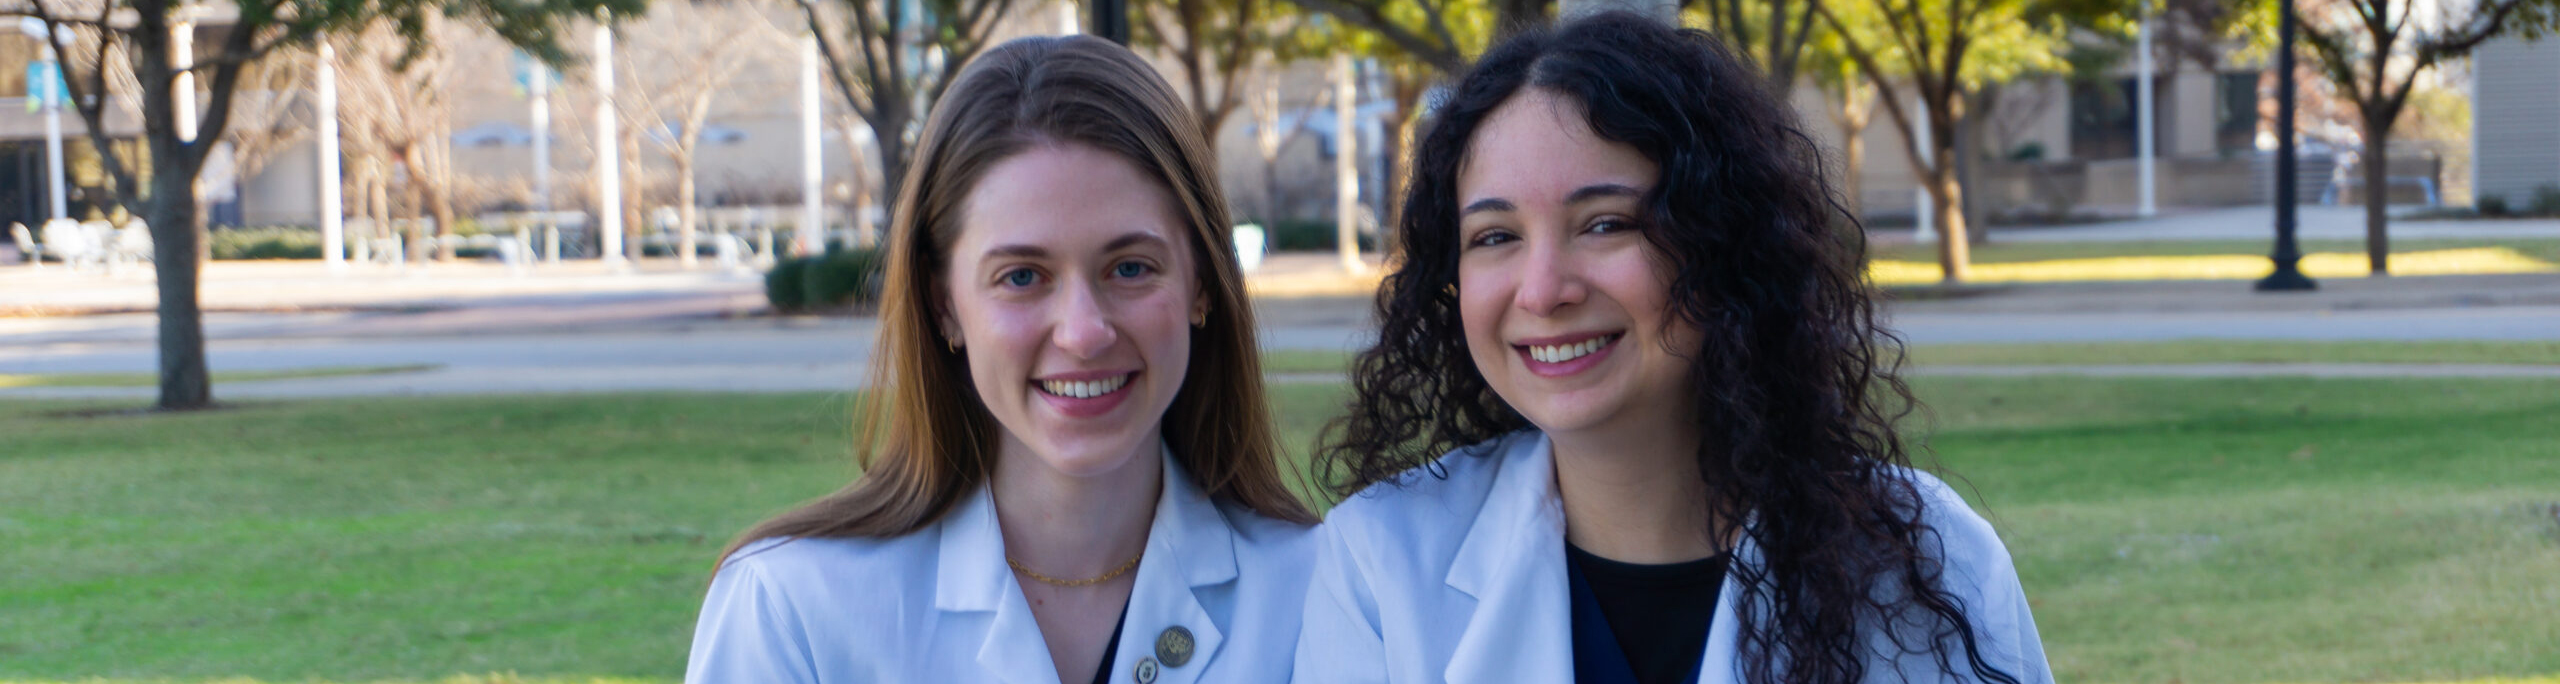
1069	470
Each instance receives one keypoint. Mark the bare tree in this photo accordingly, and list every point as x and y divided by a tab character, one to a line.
1211	42
684	56
2373	50
891	61
394	114
142	33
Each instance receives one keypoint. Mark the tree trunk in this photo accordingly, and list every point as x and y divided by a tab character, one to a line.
1946	201
416	209
685	212
1851	119
893	161
176	237
2377	196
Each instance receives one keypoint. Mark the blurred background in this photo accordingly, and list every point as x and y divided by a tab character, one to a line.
450	340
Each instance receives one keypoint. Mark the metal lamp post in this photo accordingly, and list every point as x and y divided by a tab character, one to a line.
1111	20
2288	255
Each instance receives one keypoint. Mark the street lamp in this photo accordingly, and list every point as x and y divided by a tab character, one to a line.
1111	20
2288	256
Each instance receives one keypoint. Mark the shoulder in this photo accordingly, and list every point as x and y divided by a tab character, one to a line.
1961	536
1453	486
819	581
1428	508
1259	537
814	562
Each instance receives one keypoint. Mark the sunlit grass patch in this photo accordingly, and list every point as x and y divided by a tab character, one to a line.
2460	261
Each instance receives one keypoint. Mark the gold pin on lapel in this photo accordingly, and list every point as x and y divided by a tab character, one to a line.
1174	646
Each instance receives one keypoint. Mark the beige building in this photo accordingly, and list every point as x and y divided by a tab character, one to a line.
2058	148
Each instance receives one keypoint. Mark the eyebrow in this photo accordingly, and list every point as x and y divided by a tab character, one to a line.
1584	194
1589	192
1488	204
1038	252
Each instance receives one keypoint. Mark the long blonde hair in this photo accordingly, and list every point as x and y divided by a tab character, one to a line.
927	440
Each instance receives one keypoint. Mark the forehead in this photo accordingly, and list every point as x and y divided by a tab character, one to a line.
1537	147
1062	195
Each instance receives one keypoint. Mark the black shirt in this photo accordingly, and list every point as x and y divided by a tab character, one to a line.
1659	614
1102	675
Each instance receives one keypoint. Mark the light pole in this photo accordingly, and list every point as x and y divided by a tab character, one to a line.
50	98
333	223
608	151
2288	256
1111	20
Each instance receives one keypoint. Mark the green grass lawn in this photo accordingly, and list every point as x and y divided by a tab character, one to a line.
2118	353
2241	530
219	377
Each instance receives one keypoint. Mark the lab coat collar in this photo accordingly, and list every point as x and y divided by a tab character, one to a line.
1189	545
1512	563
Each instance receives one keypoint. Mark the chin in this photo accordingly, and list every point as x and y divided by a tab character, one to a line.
1090	458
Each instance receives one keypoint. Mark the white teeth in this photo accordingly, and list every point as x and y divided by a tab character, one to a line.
1560	353
1083	389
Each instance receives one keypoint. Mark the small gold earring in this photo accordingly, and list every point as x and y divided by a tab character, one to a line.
1200	321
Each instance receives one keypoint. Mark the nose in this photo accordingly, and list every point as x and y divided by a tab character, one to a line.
1082	327
1549	280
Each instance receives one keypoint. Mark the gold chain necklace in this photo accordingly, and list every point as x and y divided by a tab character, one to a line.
1045	579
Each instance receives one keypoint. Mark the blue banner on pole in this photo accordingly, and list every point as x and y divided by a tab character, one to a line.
43	78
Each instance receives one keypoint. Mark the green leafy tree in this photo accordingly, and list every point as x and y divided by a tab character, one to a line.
1939	51
1775	33
2372	51
159	183
1211	42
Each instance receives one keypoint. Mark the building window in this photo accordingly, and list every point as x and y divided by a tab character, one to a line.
2102	118
2235	111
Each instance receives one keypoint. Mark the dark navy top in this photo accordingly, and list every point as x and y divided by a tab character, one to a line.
1641	624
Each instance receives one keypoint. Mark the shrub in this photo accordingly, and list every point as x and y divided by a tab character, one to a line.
2546	201
276	242
1305	235
842	277
2492	205
784	287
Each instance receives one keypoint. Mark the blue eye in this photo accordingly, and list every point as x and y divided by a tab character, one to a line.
1021	277
1129	269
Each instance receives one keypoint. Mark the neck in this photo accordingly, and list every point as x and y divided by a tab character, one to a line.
1075	526
1635	495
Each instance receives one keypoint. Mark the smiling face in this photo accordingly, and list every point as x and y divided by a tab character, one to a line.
1071	290
1563	300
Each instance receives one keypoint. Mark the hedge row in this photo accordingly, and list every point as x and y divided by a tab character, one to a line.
838	278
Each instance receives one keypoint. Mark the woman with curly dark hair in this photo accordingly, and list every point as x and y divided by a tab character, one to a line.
1631	416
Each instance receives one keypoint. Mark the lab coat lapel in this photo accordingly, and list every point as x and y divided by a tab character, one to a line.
1190	549
973	578
1716	665
1512	563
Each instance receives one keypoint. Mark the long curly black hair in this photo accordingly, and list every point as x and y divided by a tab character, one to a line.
1796	381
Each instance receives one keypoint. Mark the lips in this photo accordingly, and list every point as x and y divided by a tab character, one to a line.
1084	389
1085	394
1556	357
1560	353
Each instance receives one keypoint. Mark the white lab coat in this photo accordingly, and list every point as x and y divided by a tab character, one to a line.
1463	580
939	605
